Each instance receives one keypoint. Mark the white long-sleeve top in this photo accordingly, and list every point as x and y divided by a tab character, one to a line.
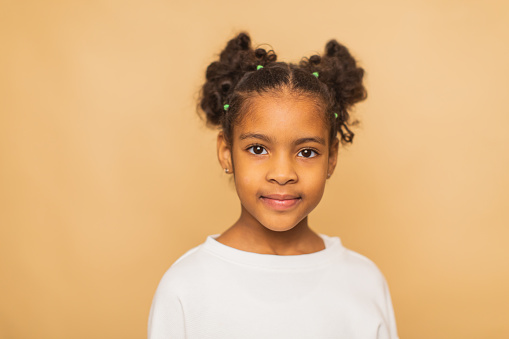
216	291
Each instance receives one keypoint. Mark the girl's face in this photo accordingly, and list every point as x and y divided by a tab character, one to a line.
281	157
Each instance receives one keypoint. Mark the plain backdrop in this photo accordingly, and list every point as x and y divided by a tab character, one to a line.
108	175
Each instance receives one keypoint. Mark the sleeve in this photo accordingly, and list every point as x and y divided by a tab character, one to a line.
166	319
391	320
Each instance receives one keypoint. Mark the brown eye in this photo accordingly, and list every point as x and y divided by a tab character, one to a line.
257	149
308	153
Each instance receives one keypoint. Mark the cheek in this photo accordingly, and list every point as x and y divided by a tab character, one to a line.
315	182
244	183
246	180
316	188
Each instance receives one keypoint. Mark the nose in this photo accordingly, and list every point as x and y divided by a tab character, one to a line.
282	170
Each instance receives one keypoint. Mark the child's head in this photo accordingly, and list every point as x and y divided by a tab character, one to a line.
279	124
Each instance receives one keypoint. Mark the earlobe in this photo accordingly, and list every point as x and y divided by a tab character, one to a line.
333	156
224	153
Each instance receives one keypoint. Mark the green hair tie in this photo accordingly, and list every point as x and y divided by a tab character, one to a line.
315	74
226	107
336	115
259	67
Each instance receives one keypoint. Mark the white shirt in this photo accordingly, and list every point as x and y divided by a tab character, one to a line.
216	291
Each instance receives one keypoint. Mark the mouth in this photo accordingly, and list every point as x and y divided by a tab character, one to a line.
280	201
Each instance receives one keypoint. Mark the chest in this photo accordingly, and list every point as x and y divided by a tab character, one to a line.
317	304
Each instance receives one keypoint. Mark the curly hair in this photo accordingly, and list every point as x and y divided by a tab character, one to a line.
334	79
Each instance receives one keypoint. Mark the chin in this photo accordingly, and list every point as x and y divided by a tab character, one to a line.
279	229
279	226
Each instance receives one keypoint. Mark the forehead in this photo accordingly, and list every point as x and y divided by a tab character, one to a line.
283	116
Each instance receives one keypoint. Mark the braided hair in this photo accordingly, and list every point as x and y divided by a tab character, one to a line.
243	73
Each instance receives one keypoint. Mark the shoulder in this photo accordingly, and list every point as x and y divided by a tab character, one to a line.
166	317
194	270
355	266
182	271
360	262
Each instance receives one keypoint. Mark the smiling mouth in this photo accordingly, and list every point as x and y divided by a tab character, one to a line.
279	201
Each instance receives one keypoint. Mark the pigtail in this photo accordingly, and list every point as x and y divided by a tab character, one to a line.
338	70
235	61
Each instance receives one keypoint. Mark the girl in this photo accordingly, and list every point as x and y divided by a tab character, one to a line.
269	275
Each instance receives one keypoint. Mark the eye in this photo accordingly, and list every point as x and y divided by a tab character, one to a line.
257	149
308	153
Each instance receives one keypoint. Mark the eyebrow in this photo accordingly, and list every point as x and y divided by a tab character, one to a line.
265	138
318	140
255	136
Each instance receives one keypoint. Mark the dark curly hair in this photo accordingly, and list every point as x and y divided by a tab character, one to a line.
334	79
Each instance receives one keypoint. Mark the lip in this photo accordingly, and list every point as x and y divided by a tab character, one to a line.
280	201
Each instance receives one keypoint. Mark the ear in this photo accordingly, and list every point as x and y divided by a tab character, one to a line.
333	156
224	154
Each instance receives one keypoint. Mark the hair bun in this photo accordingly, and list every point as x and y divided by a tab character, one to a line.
223	75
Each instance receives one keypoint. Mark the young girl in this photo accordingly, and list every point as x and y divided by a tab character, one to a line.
270	275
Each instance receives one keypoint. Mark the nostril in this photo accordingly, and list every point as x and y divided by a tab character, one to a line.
282	170
283	180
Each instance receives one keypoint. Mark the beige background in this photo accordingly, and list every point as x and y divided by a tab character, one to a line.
107	175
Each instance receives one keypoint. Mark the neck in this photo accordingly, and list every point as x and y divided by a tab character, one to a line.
249	235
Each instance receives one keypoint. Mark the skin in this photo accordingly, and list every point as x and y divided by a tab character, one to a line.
281	157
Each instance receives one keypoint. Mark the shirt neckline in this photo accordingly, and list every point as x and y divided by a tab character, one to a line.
333	247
